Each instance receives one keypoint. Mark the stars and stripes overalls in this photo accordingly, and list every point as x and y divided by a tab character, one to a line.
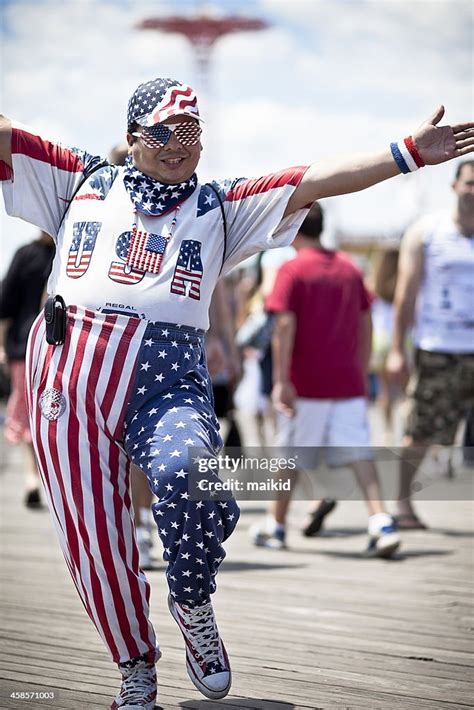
122	389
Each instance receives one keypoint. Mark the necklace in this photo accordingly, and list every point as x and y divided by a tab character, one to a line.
146	250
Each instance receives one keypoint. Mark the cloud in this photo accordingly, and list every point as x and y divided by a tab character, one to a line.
328	77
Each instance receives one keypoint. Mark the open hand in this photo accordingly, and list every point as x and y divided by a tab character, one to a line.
436	144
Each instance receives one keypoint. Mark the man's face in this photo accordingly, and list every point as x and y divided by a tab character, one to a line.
464	188
171	164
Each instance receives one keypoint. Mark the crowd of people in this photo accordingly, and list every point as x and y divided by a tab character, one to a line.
121	361
334	332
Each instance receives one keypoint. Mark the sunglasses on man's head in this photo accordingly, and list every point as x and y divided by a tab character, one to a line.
187	133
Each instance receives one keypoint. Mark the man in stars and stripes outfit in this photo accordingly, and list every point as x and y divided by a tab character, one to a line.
138	252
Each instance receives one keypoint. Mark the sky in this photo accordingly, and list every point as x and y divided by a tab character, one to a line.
326	78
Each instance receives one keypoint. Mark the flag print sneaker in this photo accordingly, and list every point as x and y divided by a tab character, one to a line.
138	689
206	658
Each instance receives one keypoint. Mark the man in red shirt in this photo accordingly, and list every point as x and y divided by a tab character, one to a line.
321	348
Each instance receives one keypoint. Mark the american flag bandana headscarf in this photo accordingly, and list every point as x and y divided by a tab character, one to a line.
159	99
151	197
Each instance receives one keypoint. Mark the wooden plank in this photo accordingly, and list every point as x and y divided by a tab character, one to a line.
317	626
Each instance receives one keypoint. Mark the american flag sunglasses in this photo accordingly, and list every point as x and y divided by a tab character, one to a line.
187	133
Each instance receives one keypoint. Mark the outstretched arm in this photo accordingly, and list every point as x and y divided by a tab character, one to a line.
38	176
434	144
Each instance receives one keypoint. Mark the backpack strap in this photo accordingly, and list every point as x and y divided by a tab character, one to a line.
85	176
224	223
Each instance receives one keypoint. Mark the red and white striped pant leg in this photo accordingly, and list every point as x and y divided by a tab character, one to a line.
77	395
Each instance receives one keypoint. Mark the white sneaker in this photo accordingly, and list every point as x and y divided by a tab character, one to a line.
267	535
206	658
384	539
138	690
144	547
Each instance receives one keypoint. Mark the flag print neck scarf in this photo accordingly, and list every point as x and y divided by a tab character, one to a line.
151	197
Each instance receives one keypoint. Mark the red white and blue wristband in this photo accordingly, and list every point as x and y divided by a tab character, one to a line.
406	155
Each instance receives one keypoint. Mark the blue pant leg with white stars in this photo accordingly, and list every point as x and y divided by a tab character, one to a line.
171	409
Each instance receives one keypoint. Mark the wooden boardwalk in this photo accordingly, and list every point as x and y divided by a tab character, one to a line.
315	627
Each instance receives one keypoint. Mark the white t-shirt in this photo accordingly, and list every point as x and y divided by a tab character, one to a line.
445	305
92	242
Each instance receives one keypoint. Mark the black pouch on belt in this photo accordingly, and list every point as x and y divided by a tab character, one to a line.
55	317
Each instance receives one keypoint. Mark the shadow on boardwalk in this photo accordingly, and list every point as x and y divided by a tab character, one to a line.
317	626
